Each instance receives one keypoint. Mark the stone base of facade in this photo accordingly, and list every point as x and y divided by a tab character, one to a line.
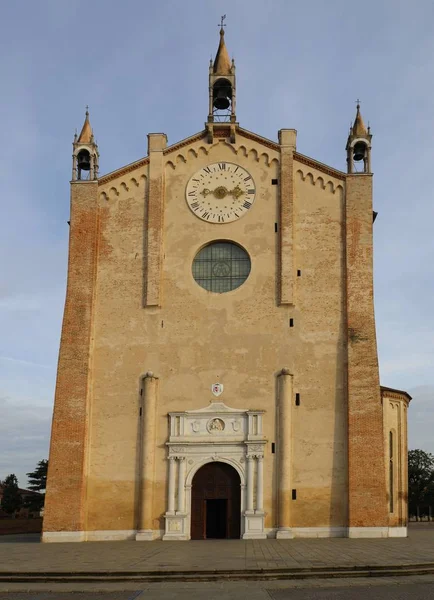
398	532
63	536
368	532
145	535
284	533
254	532
88	536
320	532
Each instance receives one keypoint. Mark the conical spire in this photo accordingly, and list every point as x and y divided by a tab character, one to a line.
222	62
86	134
359	126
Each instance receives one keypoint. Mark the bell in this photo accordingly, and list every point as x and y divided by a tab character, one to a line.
221	100
83	160
359	151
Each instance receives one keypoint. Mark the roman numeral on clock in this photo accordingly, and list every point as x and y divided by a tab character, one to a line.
222	166
194	204
250	191
192	193
247	204
207	170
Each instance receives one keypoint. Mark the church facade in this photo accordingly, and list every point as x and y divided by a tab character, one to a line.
218	373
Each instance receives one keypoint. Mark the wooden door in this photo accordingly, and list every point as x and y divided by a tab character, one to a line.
215	481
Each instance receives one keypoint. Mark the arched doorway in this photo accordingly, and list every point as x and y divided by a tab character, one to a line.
215	502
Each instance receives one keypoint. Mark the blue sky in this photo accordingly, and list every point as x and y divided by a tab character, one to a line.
143	67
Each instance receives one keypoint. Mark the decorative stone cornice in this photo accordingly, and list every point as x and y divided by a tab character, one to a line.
315	164
387	392
257	138
123	170
186	142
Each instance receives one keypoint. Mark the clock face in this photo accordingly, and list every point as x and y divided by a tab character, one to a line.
221	192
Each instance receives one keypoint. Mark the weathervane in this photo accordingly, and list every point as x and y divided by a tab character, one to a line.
222	24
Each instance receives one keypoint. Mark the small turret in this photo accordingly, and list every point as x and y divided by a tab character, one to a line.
85	156
359	145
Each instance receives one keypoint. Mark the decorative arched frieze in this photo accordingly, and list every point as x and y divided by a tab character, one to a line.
319	180
202	151
253	153
242	150
180	159
113	192
123	188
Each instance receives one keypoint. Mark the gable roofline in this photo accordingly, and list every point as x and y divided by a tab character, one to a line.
258	138
315	164
145	160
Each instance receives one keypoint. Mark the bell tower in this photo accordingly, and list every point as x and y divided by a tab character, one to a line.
85	156
359	145
221	88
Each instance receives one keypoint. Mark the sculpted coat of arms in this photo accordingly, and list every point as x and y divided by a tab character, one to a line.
217	389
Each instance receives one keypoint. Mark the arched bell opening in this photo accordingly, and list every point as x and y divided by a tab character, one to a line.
83	165
216	502
222	95
359	157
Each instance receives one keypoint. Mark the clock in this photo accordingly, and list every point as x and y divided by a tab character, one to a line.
221	192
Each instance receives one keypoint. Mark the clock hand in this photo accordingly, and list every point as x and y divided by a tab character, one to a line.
221	192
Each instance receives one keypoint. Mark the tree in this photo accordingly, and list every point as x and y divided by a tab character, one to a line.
37	483
11	499
38	477
420	481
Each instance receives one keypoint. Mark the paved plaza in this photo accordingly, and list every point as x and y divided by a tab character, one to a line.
20	554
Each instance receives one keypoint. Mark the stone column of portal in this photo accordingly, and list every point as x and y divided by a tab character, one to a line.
284	455
260	484
149	402
181	485
171	486
249	506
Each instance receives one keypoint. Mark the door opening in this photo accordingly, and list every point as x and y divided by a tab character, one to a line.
216	503
216	519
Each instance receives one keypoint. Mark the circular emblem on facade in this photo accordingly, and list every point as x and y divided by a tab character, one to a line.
215	425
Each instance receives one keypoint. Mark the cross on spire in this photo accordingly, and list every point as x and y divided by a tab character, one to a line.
222	24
